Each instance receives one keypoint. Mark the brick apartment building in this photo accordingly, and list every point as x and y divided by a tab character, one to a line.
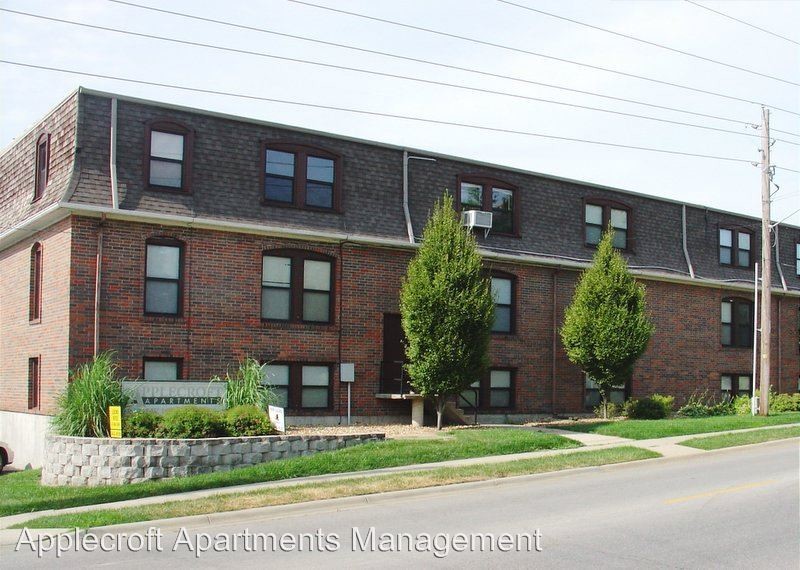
219	237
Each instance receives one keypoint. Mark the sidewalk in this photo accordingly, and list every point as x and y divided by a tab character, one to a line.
667	447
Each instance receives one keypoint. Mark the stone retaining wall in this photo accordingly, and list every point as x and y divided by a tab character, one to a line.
82	461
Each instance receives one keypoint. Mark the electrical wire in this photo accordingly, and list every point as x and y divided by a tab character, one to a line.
648	42
436	63
385	74
375	113
545	56
724	15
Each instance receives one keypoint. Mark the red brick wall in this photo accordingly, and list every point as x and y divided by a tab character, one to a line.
221	321
47	338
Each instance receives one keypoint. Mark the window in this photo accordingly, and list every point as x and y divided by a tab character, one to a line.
162	369
34	383
300	386
735	247
163	291
797	255
168	162
490	195
300	176
42	166
494	391
503	294
296	286
35	305
598	216
277	377
732	385
592	397
737	322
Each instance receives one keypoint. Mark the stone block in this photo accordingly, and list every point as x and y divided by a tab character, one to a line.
232	459
273	455
139	462
88	471
200	449
156	450
261	446
97	460
77	460
167	461
218	468
68	470
242	448
251	458
90	449
131	450
181	471
281	445
119	461
104	472
153	473
63	480
178	450
300	445
130	473
107	450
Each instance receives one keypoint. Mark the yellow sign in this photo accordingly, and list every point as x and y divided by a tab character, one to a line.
115	421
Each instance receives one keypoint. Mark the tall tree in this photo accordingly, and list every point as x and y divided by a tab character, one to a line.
447	310
606	327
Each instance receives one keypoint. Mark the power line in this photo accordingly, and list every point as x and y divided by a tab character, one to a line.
537	54
648	42
435	63
384	74
724	15
788	169
375	113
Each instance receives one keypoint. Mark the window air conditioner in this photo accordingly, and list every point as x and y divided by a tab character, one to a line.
477	219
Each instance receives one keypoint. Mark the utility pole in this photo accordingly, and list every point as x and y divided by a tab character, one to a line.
766	265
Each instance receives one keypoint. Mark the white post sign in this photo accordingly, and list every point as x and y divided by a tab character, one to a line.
277	419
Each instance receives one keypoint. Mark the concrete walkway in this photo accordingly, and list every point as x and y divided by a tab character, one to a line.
667	447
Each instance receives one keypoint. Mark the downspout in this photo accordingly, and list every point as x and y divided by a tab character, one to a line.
406	211
554	343
778	257
685	247
780	352
98	270
113	155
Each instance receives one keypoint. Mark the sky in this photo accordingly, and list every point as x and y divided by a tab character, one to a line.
26	94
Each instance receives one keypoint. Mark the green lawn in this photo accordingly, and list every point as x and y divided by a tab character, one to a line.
342	488
20	492
744	438
648	429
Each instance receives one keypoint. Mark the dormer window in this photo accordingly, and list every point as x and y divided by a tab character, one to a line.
598	215
735	246
42	166
169	148
490	195
299	176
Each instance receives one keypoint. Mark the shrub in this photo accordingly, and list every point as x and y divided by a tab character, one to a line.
190	422
702	406
741	405
666	402
247	420
784	403
613	411
246	387
82	408
646	409
141	424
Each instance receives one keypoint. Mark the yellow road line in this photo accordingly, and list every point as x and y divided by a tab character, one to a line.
720	492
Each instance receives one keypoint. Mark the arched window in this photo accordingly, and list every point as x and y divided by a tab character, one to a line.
168	156
35	305
297	286
163	288
42	166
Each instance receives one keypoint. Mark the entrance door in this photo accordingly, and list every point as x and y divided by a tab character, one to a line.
392	379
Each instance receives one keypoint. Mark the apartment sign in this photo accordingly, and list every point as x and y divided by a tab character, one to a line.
161	396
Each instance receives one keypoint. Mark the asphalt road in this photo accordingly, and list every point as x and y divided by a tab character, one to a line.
735	509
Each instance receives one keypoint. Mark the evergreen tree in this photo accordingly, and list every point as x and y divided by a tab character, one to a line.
606	327
447	310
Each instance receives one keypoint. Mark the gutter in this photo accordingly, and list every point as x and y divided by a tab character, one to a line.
406	210
112	155
685	247
778	257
